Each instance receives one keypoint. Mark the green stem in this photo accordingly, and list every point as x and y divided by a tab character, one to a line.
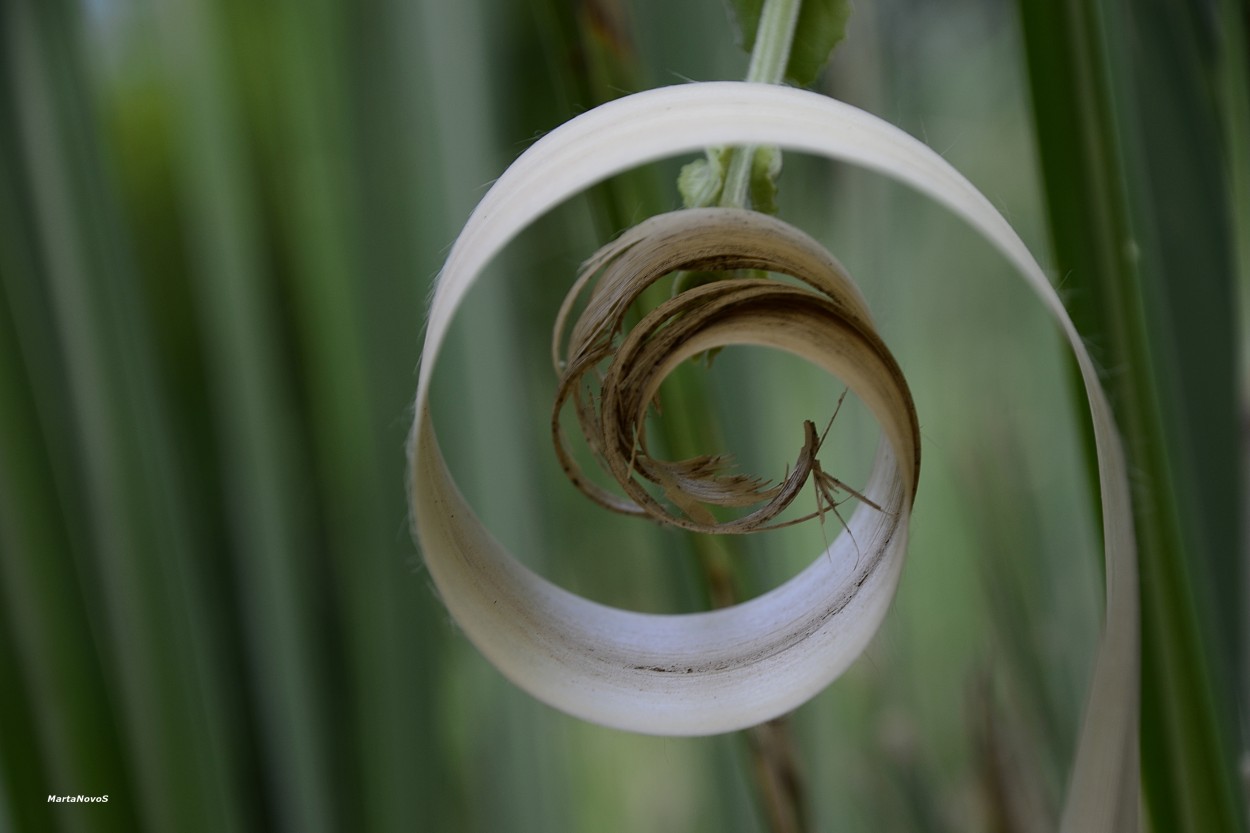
689	419
771	746
769	58
773	40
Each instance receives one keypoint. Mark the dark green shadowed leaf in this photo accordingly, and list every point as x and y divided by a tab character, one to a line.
765	169
1130	155
46	644
112	457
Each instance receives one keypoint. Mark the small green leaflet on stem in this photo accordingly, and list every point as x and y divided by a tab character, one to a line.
702	182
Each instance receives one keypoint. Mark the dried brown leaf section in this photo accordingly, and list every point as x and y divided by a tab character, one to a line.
610	373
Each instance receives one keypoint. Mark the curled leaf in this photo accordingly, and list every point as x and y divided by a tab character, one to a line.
725	669
628	371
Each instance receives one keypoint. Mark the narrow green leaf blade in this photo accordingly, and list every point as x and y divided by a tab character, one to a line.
1130	165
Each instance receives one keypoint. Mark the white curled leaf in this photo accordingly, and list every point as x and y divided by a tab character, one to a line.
712	672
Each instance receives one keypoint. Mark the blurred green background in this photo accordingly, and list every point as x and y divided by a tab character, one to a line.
219	221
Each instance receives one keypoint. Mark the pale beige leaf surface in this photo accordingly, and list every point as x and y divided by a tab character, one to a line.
717	671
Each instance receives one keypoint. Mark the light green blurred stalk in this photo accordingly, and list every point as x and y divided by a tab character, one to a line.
323	220
264	480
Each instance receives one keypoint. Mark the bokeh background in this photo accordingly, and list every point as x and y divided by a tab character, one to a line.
219	221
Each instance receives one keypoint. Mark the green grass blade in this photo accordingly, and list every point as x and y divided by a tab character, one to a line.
262	472
133	562
57	733
1137	217
321	232
1234	77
